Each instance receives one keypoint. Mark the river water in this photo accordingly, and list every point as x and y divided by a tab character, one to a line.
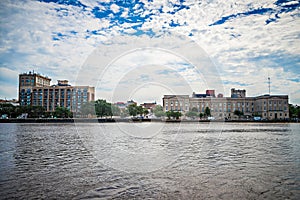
150	161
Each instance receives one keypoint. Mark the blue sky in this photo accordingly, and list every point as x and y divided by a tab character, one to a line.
247	41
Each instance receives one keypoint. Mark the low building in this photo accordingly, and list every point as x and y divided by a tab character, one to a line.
267	106
149	106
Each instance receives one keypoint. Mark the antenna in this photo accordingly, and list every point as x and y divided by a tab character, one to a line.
269	82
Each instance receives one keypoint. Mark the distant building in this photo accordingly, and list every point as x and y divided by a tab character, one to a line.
40	93
210	93
238	93
13	102
149	106
267	106
120	105
131	102
26	82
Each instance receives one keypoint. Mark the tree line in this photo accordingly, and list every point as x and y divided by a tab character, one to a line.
12	111
101	108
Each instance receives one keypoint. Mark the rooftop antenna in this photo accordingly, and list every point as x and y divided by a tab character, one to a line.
269	83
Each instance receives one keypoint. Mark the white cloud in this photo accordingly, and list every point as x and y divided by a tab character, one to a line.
115	8
243	47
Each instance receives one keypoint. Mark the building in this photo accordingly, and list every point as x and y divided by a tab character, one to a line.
26	82
267	106
41	93
238	93
149	106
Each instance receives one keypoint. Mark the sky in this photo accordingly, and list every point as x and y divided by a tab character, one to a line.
144	49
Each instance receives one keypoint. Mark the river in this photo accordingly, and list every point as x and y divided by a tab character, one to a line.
150	161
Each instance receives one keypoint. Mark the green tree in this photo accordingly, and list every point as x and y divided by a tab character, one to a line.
132	110
115	110
32	111
177	115
169	114
207	112
140	110
201	115
191	114
174	115
158	111
194	109
145	111
62	112
103	108
238	113
294	111
8	109
160	114
88	108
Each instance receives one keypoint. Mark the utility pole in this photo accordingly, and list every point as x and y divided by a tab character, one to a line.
269	83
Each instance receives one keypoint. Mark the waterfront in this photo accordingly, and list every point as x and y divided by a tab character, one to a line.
166	161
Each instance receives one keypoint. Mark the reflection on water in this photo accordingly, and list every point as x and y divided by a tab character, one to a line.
167	161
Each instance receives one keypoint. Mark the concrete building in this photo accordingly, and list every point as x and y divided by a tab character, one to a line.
37	91
267	106
26	82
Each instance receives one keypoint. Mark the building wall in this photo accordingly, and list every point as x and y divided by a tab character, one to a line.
71	97
272	107
26	82
268	107
35	90
176	103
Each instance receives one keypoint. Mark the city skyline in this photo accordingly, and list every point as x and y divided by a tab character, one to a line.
246	41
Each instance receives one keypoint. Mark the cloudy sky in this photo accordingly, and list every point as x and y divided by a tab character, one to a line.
237	43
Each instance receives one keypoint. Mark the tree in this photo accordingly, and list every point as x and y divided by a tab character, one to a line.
32	111
207	112
132	109
7	109
201	115
160	114
115	110
158	111
177	115
139	110
169	114
103	108
194	109
88	108
174	115
62	112
294	111
145	111
191	114
238	113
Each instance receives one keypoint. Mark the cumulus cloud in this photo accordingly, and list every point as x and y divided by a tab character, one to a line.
245	39
115	8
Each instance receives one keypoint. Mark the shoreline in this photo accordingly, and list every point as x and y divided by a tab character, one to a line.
116	120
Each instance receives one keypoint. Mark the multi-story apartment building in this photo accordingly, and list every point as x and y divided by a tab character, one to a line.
26	82
41	93
267	106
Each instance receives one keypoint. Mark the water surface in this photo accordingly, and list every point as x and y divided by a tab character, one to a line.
166	161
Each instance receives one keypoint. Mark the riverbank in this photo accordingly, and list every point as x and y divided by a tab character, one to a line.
115	120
